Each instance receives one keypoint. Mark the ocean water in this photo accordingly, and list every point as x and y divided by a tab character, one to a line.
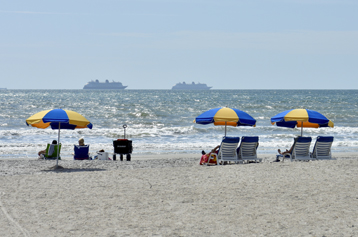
161	121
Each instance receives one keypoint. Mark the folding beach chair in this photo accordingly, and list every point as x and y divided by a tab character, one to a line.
322	148
227	150
81	152
247	149
51	151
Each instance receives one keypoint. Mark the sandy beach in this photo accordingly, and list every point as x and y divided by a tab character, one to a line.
174	196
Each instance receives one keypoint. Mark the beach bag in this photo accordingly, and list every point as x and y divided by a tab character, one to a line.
204	158
102	156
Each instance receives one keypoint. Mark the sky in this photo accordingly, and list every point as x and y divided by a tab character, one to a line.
154	44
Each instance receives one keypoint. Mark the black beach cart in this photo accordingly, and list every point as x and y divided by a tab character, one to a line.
122	147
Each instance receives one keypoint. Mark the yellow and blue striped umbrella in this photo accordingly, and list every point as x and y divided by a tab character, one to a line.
58	119
66	119
226	116
301	118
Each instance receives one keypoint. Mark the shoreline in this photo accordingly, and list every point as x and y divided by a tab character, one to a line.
26	166
266	157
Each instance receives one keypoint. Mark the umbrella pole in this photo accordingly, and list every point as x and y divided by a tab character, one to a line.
301	128
58	145
225	128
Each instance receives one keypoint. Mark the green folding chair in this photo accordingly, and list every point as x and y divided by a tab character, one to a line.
54	153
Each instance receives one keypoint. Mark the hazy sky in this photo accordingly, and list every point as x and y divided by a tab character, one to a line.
154	44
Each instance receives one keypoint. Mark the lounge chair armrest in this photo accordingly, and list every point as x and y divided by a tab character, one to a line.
289	156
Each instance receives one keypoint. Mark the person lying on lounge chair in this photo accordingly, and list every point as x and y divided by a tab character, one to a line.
287	151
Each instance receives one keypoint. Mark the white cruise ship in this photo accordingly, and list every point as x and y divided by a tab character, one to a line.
192	86
104	85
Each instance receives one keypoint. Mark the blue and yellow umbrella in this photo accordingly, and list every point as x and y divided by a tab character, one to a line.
227	117
58	119
301	118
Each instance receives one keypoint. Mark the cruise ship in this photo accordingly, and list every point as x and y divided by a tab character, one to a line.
104	85
192	86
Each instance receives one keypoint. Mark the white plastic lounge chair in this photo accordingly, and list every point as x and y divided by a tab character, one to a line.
322	148
247	149
227	150
301	150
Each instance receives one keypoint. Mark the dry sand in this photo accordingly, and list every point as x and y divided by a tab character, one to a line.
175	196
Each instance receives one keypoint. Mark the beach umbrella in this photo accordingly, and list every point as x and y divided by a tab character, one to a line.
58	119
301	118
226	117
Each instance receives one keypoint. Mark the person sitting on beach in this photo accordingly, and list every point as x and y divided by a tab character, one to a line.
81	142
50	150
81	151
205	156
